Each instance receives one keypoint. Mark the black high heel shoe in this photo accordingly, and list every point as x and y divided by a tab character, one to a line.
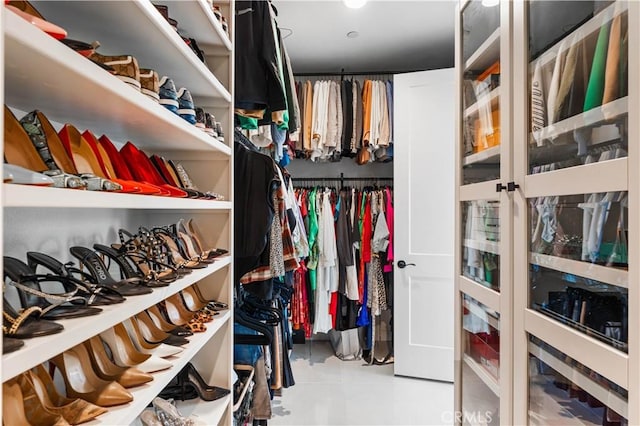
96	295
27	323
127	271
206	392
66	305
98	270
144	252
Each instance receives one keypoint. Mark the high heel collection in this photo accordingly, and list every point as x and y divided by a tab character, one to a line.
99	372
71	159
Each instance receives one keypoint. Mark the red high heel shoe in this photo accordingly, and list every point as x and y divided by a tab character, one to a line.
145	171
107	167
122	170
169	177
86	162
26	11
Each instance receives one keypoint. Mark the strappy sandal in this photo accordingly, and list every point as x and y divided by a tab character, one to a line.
158	250
101	276
145	253
10	344
174	251
27	323
192	230
24	279
96	295
126	265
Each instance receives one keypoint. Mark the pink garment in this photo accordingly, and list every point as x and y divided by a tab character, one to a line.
388	267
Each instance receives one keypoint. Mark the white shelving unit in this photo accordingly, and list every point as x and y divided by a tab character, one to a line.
68	88
483	374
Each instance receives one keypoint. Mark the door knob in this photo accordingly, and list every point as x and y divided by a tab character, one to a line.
402	264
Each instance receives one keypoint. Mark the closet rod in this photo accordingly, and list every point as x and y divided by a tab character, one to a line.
331	74
337	179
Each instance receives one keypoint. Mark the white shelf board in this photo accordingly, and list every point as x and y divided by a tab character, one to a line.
485	246
196	18
480	292
488	317
34	196
69	88
137	28
586	29
491	99
38	350
594	117
204	412
143	395
483	374
609	275
486	54
480	191
607	397
491	155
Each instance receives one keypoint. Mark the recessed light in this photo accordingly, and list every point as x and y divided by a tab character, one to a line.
354	4
490	3
353	34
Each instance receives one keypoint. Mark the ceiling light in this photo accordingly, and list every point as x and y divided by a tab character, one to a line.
490	3
354	4
353	34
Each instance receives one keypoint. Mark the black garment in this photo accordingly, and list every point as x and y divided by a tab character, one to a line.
255	178
343	240
347	117
258	84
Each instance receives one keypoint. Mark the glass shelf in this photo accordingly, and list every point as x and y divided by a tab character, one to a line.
564	392
481	242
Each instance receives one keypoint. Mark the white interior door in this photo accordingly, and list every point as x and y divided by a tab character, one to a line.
424	226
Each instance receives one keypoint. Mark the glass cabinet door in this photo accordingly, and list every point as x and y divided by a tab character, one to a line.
481	138
576	195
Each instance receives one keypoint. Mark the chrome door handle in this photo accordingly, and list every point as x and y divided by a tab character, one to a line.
402	264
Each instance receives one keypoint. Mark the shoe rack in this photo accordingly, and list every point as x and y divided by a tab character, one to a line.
42	73
548	267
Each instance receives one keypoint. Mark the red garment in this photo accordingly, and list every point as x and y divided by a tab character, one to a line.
333	308
300	302
388	267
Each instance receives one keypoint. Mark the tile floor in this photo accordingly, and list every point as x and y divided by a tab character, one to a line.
329	391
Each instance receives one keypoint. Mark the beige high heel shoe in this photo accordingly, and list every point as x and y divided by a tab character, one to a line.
161	350
126	355
82	382
75	411
18	412
106	369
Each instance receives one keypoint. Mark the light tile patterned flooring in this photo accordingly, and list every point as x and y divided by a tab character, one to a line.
329	391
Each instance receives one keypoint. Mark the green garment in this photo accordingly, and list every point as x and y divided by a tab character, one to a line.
312	263
247	123
595	88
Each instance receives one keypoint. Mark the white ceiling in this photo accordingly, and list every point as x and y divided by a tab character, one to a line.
393	35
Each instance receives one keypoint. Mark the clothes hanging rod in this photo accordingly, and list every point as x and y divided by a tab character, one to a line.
343	73
338	179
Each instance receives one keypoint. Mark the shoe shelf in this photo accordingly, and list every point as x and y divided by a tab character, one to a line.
143	395
488	156
486	246
486	54
70	88
77	330
137	28
577	376
610	275
605	114
491	99
202	412
197	18
589	27
35	196
483	374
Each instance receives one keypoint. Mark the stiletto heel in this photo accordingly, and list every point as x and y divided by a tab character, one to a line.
193	231
98	270
153	334
176	310
163	323
75	411
15	414
127	270
24	279
205	391
126	355
161	350
144	251
26	150
128	377
174	251
96	295
82	382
